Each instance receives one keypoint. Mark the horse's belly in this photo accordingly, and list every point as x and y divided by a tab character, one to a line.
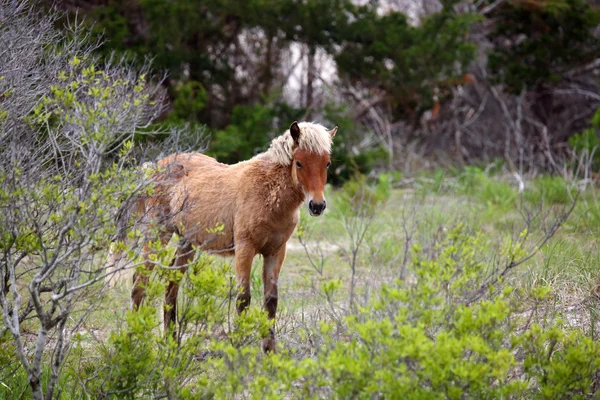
214	240
222	246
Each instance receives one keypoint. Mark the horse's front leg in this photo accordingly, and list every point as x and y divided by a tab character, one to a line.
271	268
244	254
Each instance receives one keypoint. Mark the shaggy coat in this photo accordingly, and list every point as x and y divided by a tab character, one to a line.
238	210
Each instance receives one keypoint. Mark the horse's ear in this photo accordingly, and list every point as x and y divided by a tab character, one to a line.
295	132
332	132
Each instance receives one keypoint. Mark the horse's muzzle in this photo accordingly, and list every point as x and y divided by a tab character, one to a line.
315	208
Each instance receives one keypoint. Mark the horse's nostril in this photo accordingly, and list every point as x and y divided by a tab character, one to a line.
316	208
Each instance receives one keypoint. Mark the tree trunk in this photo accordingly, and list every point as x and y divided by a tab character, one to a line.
35	372
310	77
268	68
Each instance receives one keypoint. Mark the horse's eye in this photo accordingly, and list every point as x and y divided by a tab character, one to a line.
328	164
298	164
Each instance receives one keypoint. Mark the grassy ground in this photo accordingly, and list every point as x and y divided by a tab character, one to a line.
416	214
363	248
569	261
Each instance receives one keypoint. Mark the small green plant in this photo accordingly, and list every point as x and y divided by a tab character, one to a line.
188	100
132	355
471	180
359	196
549	190
496	193
435	183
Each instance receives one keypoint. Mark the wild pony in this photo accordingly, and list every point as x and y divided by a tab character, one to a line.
257	203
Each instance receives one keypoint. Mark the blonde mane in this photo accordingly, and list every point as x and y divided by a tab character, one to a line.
314	138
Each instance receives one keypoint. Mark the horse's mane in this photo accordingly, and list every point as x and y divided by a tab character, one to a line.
313	137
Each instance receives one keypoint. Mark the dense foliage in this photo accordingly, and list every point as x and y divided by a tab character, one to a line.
550	38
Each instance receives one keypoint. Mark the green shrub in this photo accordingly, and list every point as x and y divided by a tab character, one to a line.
498	193
426	336
470	180
131	355
67	127
140	361
433	183
586	216
189	99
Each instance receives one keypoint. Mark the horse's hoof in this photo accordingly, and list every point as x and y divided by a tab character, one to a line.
268	345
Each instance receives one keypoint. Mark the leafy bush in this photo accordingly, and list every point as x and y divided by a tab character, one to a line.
359	196
436	182
67	127
189	98
432	334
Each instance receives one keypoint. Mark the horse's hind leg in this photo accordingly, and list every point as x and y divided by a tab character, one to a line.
184	254
271	268
140	278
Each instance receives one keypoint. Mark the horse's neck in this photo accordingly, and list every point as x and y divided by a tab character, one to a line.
287	193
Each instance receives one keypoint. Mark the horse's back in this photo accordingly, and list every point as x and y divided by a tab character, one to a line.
190	161
202	196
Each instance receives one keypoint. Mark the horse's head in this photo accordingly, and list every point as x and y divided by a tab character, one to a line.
310	169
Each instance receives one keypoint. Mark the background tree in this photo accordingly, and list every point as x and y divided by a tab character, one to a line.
423	77
245	54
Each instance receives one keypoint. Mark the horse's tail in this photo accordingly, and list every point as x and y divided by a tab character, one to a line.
117	268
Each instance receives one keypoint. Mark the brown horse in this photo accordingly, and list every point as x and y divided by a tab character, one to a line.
257	203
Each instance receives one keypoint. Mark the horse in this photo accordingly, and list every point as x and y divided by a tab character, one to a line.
256	203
